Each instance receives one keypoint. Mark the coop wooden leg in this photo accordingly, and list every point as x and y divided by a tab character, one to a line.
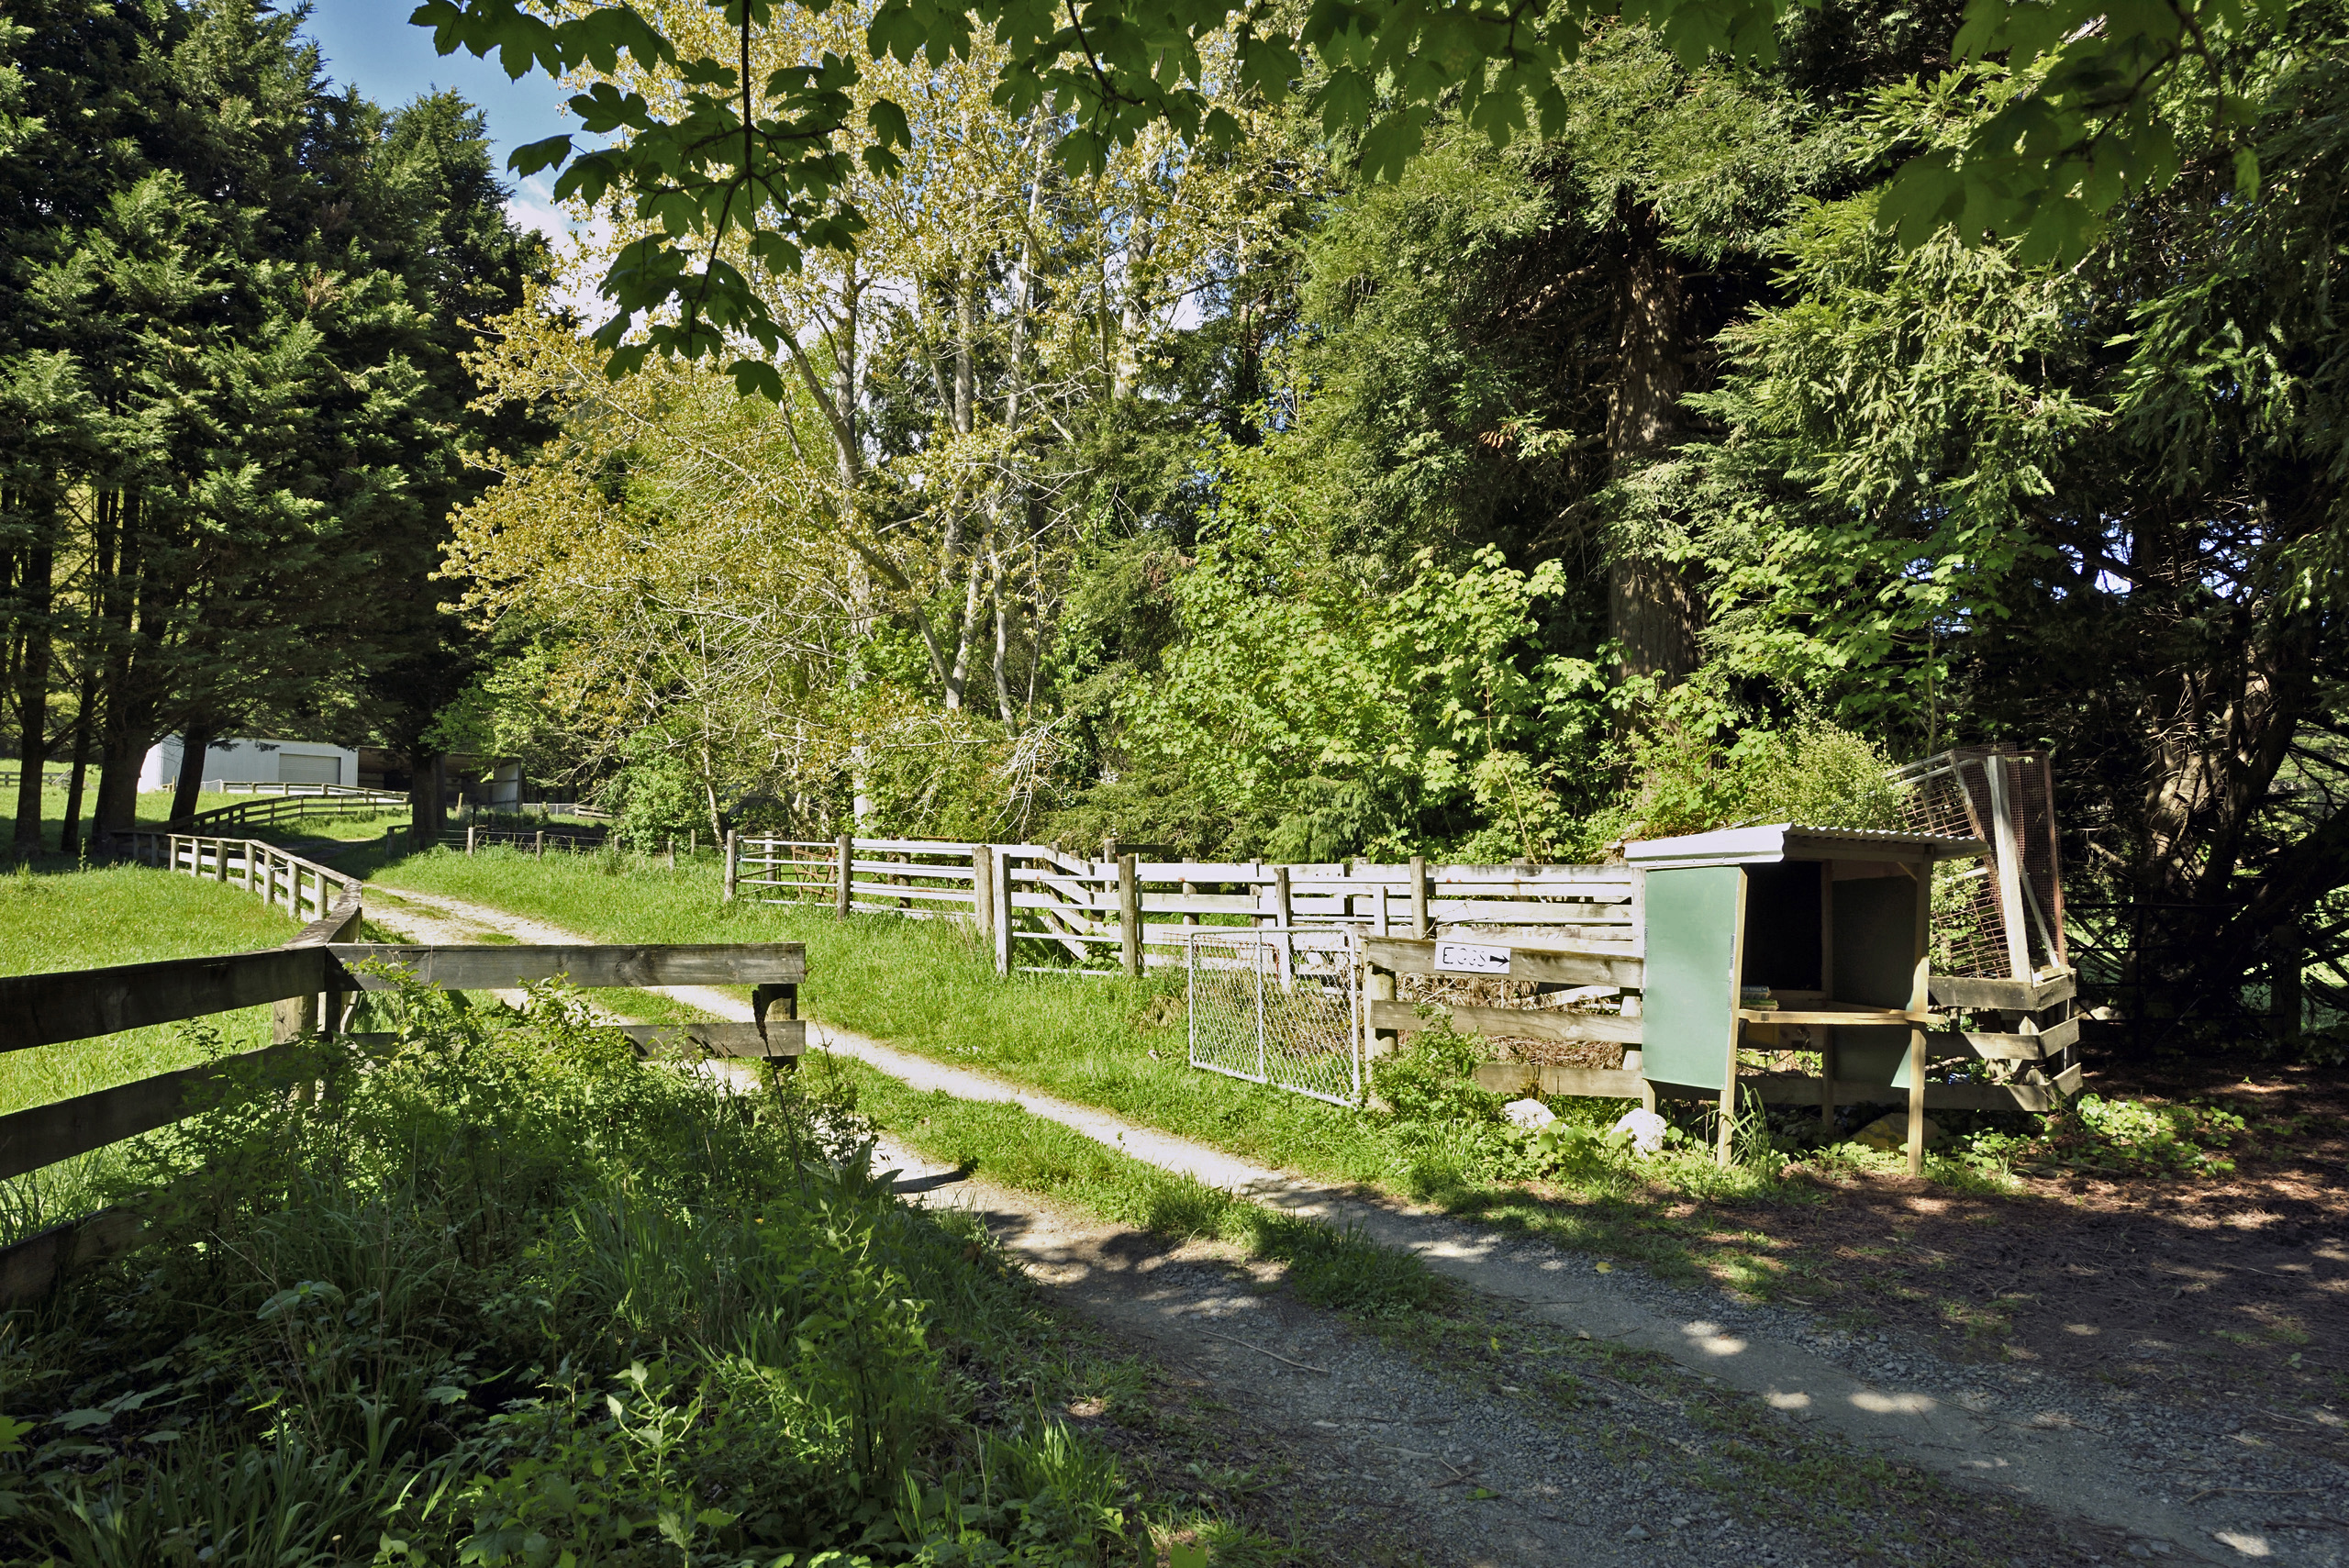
1724	1143
1828	1065
1916	1102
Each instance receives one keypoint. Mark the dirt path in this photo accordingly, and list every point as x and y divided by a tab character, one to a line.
2160	1484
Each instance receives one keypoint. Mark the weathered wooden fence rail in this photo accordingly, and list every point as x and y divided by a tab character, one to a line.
312	981
51	778
304	889
473	838
1035	899
291	803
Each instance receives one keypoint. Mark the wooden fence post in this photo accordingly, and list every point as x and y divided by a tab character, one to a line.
1422	928
844	872
1130	912
1282	906
472	833
733	851
219	860
983	891
1378	986
692	842
539	849
1000	907
672	850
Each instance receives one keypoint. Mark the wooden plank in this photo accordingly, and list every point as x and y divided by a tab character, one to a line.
1849	1017
2010	996
496	968
1203	903
1617	892
2005	1047
1202	871
1801	1089
79	1003
337	924
880	890
1774	1087
1178	936
1588	1083
785	1037
42	1135
1565	965
30	1269
1501	911
1072	865
1522	1023
1598	941
1130	924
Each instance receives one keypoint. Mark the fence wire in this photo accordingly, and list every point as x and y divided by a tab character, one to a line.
1277	1007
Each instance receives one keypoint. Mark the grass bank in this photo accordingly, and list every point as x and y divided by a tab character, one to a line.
511	1295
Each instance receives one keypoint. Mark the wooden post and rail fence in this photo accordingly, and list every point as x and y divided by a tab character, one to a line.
1137	908
311	984
291	804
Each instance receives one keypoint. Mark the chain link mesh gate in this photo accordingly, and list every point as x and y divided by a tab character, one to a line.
1277	1007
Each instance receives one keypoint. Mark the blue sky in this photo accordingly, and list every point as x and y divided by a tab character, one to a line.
369	44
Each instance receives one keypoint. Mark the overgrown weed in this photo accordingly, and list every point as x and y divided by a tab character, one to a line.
505	1293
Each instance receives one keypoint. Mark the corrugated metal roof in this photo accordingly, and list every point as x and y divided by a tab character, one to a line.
1795	841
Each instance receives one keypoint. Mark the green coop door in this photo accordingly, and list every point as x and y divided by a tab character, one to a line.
1695	915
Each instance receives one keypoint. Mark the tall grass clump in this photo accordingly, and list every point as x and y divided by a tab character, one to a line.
503	1294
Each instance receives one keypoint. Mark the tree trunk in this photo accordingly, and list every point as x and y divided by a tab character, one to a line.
68	833
1002	647
1653	607
119	759
195	741
427	782
33	599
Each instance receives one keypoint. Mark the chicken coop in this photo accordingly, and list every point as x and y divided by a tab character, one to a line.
1806	965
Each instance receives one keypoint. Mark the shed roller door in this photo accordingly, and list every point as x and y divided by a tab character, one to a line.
295	769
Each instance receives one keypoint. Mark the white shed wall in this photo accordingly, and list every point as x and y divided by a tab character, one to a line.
254	762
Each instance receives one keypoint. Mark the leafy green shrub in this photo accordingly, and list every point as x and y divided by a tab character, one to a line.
656	798
503	1294
1434	1079
1696	769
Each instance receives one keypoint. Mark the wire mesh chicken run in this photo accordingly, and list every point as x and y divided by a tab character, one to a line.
1983	924
1278	1007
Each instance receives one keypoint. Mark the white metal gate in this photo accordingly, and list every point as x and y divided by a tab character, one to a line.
1279	1007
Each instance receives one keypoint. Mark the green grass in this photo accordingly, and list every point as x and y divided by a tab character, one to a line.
509	1287
927	987
96	919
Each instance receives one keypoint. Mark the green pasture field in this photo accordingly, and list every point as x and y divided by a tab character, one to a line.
117	915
